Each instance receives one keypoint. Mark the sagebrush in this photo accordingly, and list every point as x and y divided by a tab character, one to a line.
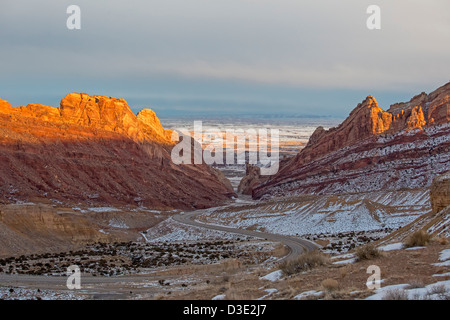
419	238
367	252
304	262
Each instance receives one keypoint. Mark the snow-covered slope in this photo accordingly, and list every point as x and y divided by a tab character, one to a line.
327	213
403	160
403	147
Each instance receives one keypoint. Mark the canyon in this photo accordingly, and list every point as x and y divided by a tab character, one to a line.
93	184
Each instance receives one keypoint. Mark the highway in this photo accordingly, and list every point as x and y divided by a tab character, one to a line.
131	286
296	246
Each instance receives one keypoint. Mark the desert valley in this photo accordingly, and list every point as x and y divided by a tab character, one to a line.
92	184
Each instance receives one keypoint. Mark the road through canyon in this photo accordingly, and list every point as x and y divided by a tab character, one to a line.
296	246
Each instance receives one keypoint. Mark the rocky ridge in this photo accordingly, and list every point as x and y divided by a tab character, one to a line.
403	147
94	150
440	192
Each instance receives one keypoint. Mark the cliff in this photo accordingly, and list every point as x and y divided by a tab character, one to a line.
250	180
404	147
94	150
440	192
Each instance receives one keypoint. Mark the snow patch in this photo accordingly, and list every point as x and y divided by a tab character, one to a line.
435	291
103	209
391	247
116	223
442	264
352	260
273	276
269	292
447	274
310	293
444	255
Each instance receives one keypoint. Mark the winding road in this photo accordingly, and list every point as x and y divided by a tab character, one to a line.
296	246
137	285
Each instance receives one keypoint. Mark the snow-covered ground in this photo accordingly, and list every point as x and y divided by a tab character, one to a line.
436	291
445	258
103	209
273	276
327	214
269	293
445	255
116	223
392	246
170	230
442	225
307	294
14	293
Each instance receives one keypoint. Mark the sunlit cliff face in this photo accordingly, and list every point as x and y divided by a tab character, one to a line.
403	147
94	149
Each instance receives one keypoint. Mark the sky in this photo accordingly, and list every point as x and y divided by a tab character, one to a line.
215	57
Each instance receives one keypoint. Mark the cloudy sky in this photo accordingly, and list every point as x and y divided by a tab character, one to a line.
225	56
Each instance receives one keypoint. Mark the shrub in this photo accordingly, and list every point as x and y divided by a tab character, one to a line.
367	252
304	262
440	290
419	238
330	285
442	240
395	294
415	284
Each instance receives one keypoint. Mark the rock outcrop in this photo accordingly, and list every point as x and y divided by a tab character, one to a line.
93	149
44	227
251	179
440	192
404	147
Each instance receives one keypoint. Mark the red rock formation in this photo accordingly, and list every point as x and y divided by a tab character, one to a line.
5	106
440	192
149	118
251	179
95	150
369	141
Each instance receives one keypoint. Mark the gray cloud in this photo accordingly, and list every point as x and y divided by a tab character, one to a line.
304	45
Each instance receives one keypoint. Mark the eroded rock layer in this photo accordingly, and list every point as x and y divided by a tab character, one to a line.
404	147
93	149
440	192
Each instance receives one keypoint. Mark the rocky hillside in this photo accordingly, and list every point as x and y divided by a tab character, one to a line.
437	220
46	227
403	147
95	150
250	180
440	192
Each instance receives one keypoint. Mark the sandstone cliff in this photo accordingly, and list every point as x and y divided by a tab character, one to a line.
44	227
404	147
251	179
440	192
93	149
437	220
